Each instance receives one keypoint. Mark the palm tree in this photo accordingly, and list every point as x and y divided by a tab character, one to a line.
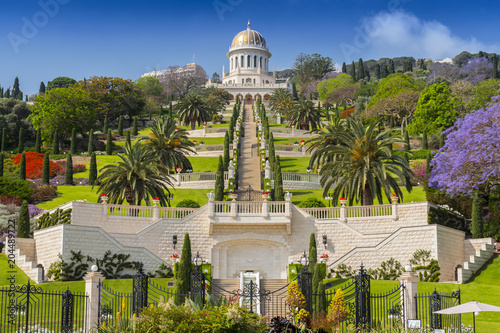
137	176
303	113
169	144
192	109
362	165
280	100
322	140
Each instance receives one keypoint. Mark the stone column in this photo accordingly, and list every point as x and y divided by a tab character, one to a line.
395	215
178	176
288	204
343	210
231	169
267	171
234	209
293	130
156	213
265	208
304	149
409	280
211	203
92	280
204	130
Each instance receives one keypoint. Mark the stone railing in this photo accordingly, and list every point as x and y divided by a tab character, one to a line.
198	176
154	212
248	208
300	177
343	213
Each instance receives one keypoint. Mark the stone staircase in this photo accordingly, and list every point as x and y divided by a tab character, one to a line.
483	248
28	265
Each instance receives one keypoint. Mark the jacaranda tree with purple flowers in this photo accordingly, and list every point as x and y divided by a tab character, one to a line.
469	159
477	70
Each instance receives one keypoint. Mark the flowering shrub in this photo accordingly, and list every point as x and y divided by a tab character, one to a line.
30	156
34	210
324	256
9	200
34	169
79	168
42	192
174	256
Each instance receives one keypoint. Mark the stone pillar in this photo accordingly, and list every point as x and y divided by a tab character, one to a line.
156	213
231	169
211	203
263	143
343	210
267	171
178	176
409	280
288	204
395	215
278	119
293	130
304	149
260	126
204	130
92	280
265	208
234	209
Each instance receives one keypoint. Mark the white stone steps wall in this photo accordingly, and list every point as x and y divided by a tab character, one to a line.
483	254
28	266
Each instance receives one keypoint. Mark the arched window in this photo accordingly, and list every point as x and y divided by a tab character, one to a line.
242	81
255	61
260	62
231	63
248	61
242	61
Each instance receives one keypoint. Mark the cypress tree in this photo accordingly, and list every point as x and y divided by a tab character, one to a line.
495	66
20	146
316	281
425	142
428	168
45	169
1	164
391	68
384	72
185	267
91	142
295	94
361	70
120	126
55	143
407	141
72	148
134	127
278	181
4	139
92	169
171	109
344	68
441	141
321	297
38	148
105	125
476	227
313	253
109	143
23	226
272	152
219	181
68	175
128	139
41	90
22	167
377	71
226	152
353	71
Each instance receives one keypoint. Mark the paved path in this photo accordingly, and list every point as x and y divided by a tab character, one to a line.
248	163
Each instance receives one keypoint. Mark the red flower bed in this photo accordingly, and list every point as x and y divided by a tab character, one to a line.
34	169
30	156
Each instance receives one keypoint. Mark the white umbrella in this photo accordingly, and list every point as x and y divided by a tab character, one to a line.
473	306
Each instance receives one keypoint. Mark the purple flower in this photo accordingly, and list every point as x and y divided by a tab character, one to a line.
34	210
477	70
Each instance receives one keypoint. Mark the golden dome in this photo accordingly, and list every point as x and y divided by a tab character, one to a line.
249	37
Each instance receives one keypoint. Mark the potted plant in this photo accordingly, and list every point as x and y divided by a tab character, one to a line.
104	198
394	198
232	195
156	201
343	201
175	257
324	257
178	169
265	195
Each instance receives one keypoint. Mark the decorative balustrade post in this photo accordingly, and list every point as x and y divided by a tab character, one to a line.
304	150
234	208
156	213
204	129
211	204
343	210
92	281
267	171
288	204
178	176
395	215
265	208
409	289
293	130
231	169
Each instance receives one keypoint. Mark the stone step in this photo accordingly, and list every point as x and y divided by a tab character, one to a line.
476	261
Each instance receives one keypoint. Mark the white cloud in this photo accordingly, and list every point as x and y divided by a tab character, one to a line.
399	33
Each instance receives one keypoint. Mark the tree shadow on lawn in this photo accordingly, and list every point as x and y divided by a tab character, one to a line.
494	276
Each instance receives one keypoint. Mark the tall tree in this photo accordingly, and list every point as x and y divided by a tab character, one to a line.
55	143
344	68
192	109
353	71
219	181
72	149
46	168
407	141
91	146
278	181
16	91
425	142
41	90
316	281
377	72
20	145
476	226
134	127
226	152
1	164
109	144
310	67
23	226
495	67
362	165
4	139
361	70
68	175
127	140
185	267
313	252
391	68
120	125
105	125
303	113
60	82
22	167
93	169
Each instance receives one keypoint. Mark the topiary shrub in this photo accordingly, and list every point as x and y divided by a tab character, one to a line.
188	203
311	203
15	188
57	217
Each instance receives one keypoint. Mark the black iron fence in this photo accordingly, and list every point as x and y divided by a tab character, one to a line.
27	308
428	303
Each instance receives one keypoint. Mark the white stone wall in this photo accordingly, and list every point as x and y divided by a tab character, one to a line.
290	185
450	244
48	245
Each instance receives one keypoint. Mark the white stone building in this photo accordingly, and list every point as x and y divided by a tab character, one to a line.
248	68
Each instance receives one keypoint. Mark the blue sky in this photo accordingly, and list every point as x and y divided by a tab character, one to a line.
40	40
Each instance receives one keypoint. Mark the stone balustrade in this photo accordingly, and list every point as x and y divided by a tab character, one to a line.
343	213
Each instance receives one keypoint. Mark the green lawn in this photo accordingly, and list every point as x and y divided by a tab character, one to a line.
417	195
294	164
204	164
288	140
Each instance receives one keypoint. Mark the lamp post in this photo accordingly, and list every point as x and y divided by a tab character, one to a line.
329	198
197	280
305	282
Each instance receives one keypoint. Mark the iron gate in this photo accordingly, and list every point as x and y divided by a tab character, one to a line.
249	194
428	303
27	307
